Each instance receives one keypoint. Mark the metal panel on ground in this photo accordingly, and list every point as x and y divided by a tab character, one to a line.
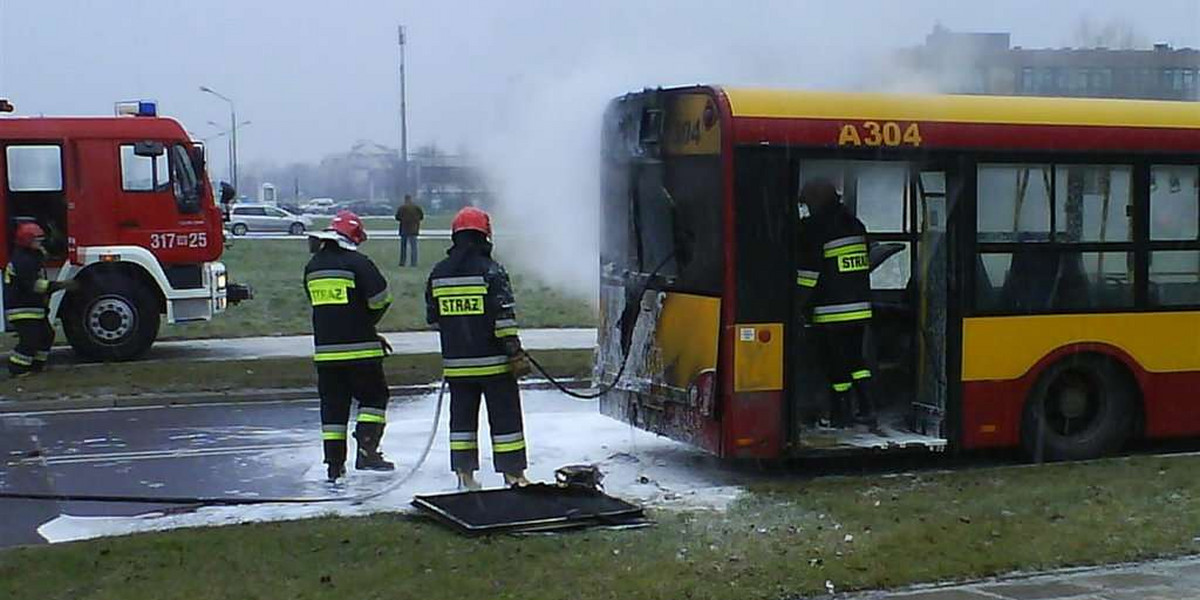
537	507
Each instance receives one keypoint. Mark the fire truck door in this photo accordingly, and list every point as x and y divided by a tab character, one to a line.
158	208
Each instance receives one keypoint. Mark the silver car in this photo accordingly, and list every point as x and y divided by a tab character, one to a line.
245	218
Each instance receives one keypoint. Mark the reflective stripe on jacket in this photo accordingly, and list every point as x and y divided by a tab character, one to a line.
469	299
834	265
25	286
348	296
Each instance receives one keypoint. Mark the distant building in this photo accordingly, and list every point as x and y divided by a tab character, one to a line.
447	181
369	171
986	63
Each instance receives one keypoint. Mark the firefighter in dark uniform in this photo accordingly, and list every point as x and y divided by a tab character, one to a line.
349	296
834	281
470	301
26	296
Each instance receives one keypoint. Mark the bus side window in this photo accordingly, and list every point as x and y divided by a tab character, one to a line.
1014	203
881	203
1175	220
877	192
1022	272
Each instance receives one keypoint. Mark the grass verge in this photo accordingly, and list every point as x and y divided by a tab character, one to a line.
781	540
275	269
240	375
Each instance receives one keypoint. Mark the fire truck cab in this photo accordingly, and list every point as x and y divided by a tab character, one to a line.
129	214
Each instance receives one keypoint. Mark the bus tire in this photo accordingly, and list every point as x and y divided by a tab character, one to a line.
239	229
111	318
1082	407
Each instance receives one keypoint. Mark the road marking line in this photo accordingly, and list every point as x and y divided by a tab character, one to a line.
62	459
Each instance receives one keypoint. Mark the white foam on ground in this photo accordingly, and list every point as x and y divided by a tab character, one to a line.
638	467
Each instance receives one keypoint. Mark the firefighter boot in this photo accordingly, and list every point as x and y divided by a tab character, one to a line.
335	458
840	410
335	471
368	457
864	405
467	481
515	479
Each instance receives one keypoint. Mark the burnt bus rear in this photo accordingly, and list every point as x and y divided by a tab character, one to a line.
662	263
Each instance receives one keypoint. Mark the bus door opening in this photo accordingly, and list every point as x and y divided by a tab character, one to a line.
904	211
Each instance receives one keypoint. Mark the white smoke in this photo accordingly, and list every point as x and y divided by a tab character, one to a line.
544	167
544	160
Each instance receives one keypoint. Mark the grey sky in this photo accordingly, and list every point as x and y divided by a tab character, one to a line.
315	76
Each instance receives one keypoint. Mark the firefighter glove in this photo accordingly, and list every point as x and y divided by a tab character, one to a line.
520	365
70	285
512	346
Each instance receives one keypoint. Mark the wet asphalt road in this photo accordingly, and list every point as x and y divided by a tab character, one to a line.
226	450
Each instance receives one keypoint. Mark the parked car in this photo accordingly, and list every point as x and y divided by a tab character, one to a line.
370	209
320	206
262	217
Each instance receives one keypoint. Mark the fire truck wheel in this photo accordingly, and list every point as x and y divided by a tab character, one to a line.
1080	408
112	318
239	229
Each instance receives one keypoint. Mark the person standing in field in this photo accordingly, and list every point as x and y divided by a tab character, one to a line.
409	216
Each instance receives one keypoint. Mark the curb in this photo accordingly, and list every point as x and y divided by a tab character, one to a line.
234	397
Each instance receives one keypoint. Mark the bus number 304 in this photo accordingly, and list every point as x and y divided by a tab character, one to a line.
875	133
168	240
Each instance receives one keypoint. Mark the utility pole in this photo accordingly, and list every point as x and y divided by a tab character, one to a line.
403	114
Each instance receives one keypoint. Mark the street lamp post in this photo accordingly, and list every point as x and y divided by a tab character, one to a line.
223	131
403	116
233	125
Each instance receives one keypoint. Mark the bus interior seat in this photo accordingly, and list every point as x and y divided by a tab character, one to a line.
1072	288
1039	281
880	252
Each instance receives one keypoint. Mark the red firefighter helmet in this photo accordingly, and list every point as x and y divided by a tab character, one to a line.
473	219
349	226
26	233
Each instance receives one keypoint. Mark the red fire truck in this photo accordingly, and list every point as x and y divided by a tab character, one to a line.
128	212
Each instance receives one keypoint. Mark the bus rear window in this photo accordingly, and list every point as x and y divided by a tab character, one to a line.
677	222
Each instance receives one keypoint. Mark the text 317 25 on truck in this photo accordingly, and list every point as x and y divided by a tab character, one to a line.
129	214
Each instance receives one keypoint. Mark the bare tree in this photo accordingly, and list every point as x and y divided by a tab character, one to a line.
1114	33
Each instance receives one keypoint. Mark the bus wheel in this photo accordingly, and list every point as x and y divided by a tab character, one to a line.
111	318
1081	407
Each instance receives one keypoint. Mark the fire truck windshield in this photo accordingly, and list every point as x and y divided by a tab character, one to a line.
186	180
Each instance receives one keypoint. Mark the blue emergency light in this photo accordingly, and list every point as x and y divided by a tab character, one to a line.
137	108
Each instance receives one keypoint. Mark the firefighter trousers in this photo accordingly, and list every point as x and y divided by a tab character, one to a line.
34	339
841	349
504	421
338	385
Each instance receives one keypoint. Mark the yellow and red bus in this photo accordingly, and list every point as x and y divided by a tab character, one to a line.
1035	268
